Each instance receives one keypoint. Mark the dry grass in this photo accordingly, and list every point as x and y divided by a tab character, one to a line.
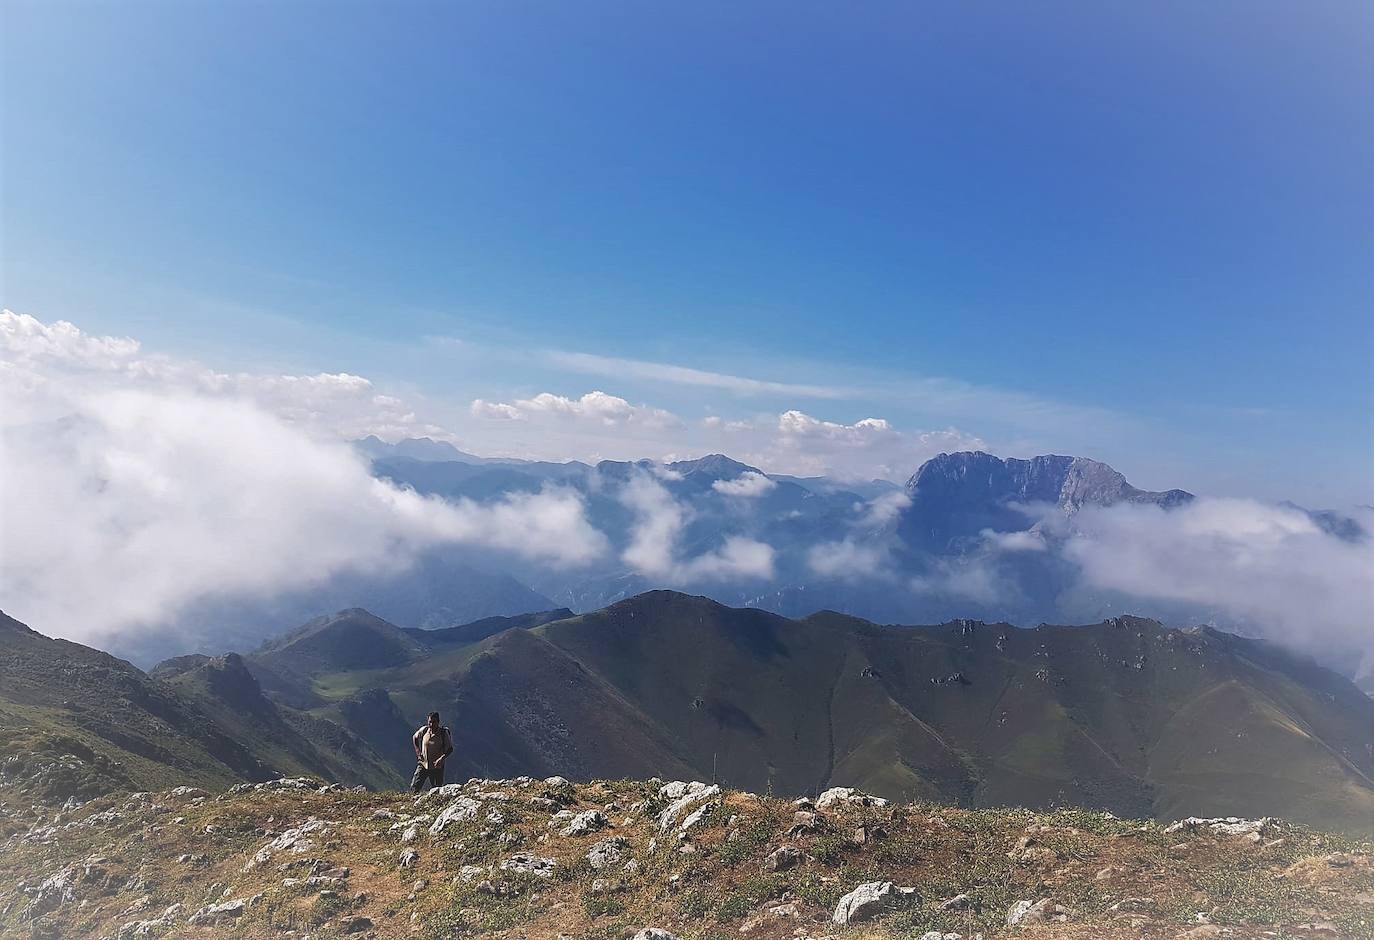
1293	883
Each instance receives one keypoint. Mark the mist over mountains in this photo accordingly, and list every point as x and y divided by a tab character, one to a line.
155	506
1050	539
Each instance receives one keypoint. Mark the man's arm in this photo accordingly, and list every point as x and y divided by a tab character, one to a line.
415	742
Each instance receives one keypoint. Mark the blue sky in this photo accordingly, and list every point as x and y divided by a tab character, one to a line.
1141	233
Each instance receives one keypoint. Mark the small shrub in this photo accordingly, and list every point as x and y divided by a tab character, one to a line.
601	905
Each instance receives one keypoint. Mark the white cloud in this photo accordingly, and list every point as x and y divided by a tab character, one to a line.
746	486
37	355
1029	541
970	578
132	489
597	406
848	560
867	449
495	410
882	509
659	523
621	369
600	426
1265	566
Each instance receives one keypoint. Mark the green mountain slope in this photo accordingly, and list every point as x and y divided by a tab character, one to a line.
1125	715
76	722
225	690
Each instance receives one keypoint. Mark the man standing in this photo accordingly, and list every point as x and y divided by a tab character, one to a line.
433	744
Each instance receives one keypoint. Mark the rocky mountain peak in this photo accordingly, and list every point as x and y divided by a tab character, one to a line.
713	466
1069	482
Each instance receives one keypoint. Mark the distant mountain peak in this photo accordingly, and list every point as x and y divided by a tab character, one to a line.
1068	482
416	448
716	466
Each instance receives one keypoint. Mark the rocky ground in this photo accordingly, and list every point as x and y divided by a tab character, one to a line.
624	859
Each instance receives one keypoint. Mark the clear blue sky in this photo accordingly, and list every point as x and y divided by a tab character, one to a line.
1163	211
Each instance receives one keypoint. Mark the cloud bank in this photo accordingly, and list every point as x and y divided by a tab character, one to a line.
133	486
653	549
1265	567
746	485
599	426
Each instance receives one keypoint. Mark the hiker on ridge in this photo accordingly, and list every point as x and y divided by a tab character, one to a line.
433	744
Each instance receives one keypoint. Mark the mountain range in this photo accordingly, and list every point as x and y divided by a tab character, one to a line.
1124	715
968	535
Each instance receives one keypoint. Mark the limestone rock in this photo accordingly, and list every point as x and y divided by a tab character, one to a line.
607	852
782	858
462	809
297	840
868	900
1043	911
689	796
849	795
525	863
587	822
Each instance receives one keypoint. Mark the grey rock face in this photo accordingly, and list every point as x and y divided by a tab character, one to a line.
525	863
584	823
607	852
782	858
869	900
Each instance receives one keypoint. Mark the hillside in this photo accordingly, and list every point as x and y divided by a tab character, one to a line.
606	860
76	723
1126	715
440	588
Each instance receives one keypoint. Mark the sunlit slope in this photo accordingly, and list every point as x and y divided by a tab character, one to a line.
1126	715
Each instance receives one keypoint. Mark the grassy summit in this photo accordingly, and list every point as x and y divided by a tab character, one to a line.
531	858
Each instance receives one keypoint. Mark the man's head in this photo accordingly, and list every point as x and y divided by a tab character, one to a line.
434	720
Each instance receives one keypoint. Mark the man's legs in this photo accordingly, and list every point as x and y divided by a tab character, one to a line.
436	776
422	773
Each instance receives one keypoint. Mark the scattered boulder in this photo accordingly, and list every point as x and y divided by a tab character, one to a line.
782	858
583	823
654	933
285	783
58	888
525	863
297	840
696	816
462	809
772	912
1252	830
847	795
688	796
806	822
869	900
151	928
408	858
213	915
1043	911
440	794
186	793
607	852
